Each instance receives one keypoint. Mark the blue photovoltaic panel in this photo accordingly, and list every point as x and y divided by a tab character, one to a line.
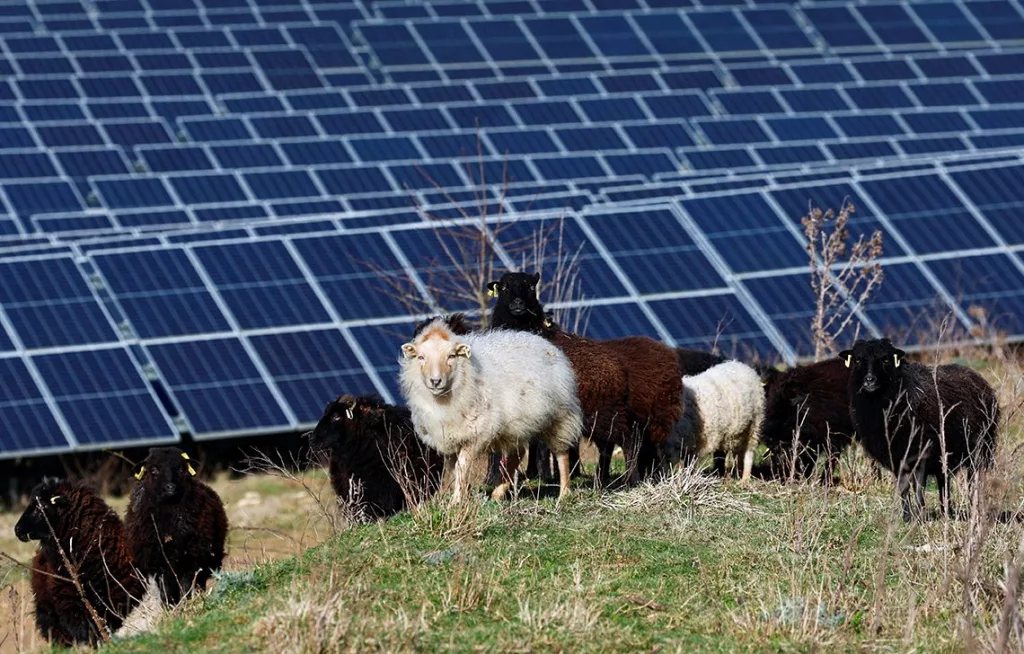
654	251
50	304
345	266
713	321
753	239
161	293
605	321
261	284
218	387
104	398
310	367
927	213
26	422
992	283
906	307
999	194
382	345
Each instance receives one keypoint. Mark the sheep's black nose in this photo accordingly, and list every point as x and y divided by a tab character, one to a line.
870	378
20	533
435	382
170	489
517	305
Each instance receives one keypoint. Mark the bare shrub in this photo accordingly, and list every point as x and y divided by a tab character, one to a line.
843	275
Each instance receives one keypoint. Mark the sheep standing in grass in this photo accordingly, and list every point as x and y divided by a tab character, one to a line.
807	416
70	520
491	390
630	388
372	444
176	524
723	408
919	420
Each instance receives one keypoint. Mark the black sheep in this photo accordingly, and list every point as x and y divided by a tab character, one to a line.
69	516
897	408
816	398
630	388
374	443
176	524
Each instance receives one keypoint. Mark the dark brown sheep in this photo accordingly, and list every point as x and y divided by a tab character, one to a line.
69	516
176	524
814	398
630	388
374	443
908	415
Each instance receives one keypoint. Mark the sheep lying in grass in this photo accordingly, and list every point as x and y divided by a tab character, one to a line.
491	390
373	444
176	524
70	520
812	404
723	408
909	417
630	388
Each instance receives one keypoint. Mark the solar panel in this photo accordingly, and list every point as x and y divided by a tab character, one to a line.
49	304
218	387
27	423
261	285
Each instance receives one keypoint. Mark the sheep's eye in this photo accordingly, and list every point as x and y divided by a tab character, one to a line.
421	357
451	355
155	472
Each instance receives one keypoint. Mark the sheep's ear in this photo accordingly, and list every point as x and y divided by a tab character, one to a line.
492	289
139	471
536	278
58	500
409	350
191	470
462	350
847	357
897	357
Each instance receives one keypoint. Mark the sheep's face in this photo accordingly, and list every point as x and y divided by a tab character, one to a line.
45	509
517	294
342	415
437	353
165	474
872	364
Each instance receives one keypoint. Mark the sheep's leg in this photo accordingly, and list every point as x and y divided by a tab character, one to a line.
718	459
448	471
462	464
748	464
604	463
563	474
509	476
493	469
941	480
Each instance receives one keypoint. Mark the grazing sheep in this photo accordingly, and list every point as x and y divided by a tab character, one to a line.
373	444
491	390
811	403
630	388
723	408
898	406
176	524
68	517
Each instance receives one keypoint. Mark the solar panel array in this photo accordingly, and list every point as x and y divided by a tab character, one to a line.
199	198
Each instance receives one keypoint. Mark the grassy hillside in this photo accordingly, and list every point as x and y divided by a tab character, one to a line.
693	564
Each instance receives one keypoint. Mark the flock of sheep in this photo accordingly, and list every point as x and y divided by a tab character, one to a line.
91	570
526	383
522	385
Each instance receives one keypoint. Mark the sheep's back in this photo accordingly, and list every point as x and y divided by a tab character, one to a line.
820	390
655	385
603	385
731	403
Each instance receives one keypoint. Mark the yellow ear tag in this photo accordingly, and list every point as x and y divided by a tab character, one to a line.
138	475
191	471
848	359
53	500
896	360
349	414
547	322
492	293
184	456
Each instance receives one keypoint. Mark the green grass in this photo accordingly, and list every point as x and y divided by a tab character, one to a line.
697	565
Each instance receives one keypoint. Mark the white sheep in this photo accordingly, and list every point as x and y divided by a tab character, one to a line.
723	409
490	390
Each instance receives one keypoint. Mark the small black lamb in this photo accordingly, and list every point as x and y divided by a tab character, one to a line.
814	398
176	524
371	442
897	408
69	516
